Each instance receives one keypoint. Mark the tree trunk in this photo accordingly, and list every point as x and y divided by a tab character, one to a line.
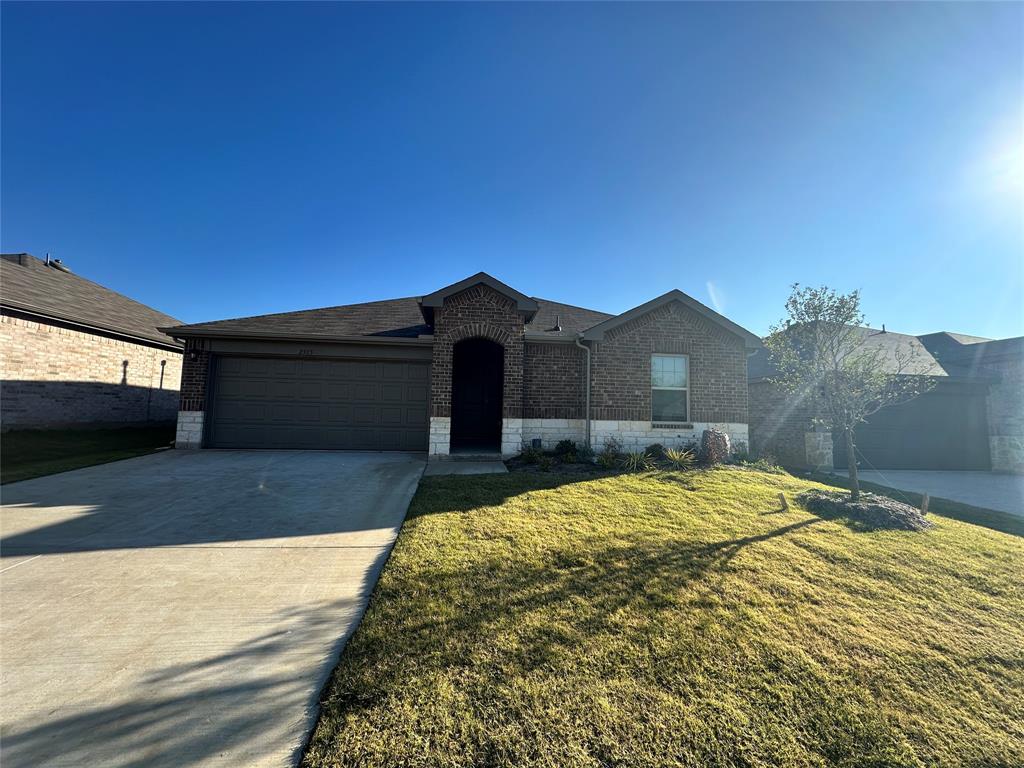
851	465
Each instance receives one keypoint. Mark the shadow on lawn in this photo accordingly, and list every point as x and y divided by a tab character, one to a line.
552	606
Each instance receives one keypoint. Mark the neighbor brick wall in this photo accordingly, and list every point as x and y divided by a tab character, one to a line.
553	381
55	376
621	367
779	424
194	376
477	312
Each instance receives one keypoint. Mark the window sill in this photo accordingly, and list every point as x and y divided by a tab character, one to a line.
671	425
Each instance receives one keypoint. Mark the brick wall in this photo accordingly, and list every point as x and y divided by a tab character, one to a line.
554	377
477	312
621	367
194	376
55	376
779	425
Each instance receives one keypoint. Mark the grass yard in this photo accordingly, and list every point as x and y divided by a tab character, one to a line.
26	454
677	619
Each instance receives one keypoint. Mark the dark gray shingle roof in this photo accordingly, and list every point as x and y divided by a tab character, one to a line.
393	318
28	285
398	318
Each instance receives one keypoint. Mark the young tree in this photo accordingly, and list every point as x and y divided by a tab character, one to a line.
822	352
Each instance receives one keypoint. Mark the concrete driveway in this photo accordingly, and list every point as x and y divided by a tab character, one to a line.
1004	493
186	608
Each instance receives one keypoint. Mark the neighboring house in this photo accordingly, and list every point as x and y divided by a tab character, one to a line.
77	354
971	419
474	366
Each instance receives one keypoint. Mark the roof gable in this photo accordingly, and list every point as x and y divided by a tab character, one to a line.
597	332
436	299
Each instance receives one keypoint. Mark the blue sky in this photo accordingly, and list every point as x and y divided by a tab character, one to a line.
218	160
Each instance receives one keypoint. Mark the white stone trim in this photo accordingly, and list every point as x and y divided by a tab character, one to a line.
552	431
440	435
190	429
511	437
636	435
818	449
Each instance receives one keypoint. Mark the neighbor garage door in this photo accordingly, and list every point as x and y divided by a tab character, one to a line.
945	428
300	403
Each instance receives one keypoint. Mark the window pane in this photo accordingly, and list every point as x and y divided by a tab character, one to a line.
668	371
668	405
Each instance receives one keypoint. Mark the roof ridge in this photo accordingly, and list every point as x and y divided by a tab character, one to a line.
573	306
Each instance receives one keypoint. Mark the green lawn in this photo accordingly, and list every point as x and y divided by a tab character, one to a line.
33	453
677	619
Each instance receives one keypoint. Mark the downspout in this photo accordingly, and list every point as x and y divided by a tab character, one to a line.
586	412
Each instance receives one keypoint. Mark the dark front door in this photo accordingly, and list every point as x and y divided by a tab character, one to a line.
477	367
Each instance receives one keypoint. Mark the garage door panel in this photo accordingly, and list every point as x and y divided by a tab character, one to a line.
392	393
939	430
329	404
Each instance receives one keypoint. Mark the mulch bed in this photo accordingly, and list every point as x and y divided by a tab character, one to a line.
871	511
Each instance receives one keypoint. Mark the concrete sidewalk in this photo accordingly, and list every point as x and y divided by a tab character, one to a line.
1004	493
186	608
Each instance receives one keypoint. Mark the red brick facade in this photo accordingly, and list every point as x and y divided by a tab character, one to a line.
194	374
477	312
621	367
554	378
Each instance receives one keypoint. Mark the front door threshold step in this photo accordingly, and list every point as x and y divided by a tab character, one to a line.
471	456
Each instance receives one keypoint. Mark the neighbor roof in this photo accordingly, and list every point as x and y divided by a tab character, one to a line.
935	354
28	285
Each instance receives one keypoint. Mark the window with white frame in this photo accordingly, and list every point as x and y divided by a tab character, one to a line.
670	388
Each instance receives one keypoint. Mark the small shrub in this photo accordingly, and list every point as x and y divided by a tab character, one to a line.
565	447
611	454
764	464
656	451
531	455
545	463
714	447
584	453
680	458
637	461
568	458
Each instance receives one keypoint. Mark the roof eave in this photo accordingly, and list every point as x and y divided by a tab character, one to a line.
183	332
28	309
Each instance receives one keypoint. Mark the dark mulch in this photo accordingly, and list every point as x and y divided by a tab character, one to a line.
557	467
871	511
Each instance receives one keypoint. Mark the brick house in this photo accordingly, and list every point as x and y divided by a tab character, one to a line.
77	354
972	418
476	366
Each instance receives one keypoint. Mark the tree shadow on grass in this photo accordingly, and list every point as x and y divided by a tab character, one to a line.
553	606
